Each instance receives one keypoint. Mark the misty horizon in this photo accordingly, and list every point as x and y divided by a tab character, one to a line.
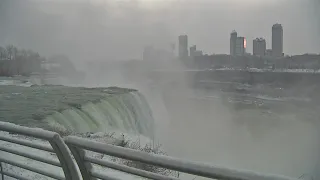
253	112
108	30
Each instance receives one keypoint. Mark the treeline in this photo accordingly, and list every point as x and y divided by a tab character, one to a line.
14	61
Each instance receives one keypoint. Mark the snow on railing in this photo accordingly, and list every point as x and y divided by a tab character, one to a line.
58	147
79	147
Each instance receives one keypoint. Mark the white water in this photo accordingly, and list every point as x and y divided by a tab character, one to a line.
128	112
6	82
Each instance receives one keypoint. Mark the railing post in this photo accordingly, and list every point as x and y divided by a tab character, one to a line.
85	167
1	170
69	167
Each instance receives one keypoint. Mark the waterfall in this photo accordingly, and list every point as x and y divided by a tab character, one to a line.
129	113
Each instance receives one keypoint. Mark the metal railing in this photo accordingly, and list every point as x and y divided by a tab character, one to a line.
58	147
84	169
78	147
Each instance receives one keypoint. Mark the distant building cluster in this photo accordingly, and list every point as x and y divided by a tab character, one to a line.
261	58
238	44
183	48
238	47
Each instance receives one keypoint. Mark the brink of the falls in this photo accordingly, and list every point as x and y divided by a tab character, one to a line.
77	109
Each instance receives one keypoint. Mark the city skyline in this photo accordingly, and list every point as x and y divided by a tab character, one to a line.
95	32
238	45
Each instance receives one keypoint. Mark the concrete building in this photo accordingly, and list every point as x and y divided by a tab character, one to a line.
183	47
233	39
269	52
193	49
194	52
259	47
277	40
198	53
241	45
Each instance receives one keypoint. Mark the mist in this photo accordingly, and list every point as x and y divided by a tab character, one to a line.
88	30
95	34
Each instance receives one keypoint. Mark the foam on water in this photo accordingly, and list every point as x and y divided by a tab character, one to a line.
15	83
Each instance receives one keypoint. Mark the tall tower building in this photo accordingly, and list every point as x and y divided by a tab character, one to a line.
259	47
183	46
233	40
277	40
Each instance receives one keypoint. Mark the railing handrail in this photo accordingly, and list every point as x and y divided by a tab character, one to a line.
77	147
58	146
32	132
172	163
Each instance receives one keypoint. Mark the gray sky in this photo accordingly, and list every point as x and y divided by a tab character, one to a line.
119	29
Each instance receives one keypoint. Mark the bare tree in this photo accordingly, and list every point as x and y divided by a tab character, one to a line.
3	53
21	62
10	49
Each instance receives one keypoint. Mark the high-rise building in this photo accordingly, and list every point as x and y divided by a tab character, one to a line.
183	46
241	45
233	39
259	47
277	40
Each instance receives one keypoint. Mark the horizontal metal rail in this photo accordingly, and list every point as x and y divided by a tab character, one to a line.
33	169
103	176
31	156
32	132
128	169
27	143
189	167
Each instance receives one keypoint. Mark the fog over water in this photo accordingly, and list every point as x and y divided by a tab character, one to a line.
188	123
209	130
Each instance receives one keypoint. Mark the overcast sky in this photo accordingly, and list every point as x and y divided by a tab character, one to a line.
119	29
